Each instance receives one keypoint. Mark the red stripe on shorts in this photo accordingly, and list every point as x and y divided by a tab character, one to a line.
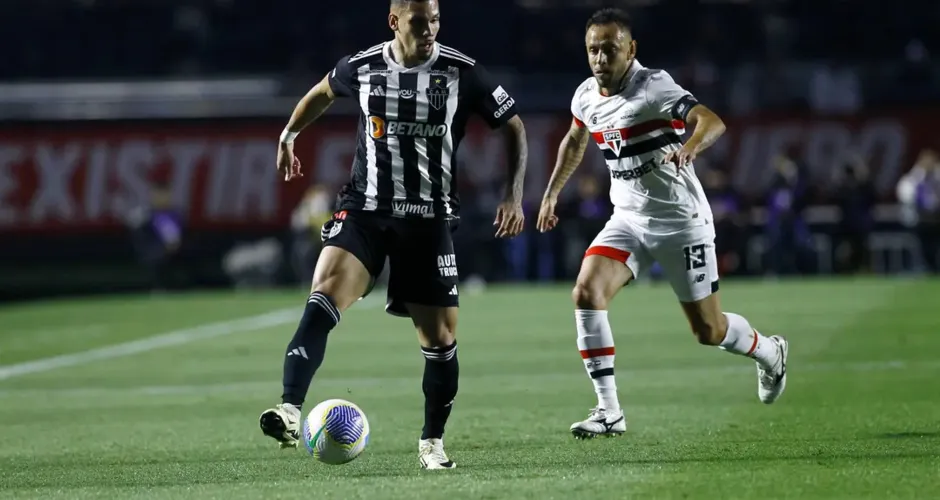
609	252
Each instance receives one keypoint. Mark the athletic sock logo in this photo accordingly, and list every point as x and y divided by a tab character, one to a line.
300	351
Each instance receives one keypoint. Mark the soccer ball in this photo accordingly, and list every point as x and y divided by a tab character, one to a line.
336	431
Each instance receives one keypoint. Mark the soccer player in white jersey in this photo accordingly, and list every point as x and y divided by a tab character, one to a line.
636	116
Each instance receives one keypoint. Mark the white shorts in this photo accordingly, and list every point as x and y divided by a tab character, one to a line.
687	256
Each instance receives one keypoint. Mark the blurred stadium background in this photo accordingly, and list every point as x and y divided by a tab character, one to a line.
137	148
138	138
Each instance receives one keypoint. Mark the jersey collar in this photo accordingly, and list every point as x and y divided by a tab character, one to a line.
393	65
635	68
628	77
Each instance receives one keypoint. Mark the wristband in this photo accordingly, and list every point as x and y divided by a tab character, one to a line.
287	137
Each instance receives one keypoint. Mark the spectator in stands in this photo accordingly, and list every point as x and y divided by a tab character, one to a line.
729	223
788	237
308	218
157	236
919	194
582	217
855	197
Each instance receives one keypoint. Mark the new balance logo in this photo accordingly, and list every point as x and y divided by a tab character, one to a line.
300	351
378	92
453	291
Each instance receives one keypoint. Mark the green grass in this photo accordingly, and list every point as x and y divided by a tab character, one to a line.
860	418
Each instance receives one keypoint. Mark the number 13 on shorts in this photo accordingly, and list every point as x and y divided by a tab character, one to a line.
691	268
695	256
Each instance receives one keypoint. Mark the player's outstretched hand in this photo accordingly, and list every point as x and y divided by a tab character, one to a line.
287	164
547	218
509	219
682	157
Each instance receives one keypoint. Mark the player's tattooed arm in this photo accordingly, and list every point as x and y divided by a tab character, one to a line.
518	156
509	216
708	127
570	154
310	107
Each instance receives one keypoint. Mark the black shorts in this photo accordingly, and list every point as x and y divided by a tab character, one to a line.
422	264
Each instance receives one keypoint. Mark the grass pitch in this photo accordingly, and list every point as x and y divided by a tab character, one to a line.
177	417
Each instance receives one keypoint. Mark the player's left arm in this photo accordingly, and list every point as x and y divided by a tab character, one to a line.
677	104
707	128
494	104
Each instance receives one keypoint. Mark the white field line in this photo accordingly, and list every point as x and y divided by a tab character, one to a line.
259	386
93	329
167	339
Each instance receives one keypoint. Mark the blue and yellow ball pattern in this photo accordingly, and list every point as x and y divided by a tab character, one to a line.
336	431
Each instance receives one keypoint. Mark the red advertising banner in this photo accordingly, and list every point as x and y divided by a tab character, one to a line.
89	176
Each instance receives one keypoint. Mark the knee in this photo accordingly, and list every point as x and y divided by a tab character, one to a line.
710	331
437	339
340	276
334	289
442	335
586	296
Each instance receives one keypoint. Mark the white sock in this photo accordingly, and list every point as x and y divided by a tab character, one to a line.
596	343
743	339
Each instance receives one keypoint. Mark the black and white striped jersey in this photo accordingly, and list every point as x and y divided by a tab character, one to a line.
411	122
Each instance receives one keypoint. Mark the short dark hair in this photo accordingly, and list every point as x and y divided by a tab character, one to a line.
399	3
610	15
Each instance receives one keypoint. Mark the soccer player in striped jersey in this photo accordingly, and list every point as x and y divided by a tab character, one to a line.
415	98
636	115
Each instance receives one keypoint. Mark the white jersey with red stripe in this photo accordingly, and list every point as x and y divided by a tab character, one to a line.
635	129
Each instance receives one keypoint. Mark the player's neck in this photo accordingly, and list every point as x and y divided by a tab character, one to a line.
609	91
402	57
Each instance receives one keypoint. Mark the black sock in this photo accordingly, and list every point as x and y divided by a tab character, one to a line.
305	351
441	371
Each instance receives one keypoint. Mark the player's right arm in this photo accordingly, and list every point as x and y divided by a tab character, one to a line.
570	154
338	83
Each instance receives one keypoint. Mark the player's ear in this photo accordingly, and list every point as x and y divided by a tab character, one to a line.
393	21
632	49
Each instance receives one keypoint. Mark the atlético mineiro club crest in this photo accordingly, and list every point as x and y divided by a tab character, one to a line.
437	92
614	140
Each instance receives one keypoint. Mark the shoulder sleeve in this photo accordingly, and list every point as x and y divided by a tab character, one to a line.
576	111
490	100
667	98
343	81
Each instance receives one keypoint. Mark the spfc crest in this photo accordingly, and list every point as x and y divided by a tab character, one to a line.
437	92
614	140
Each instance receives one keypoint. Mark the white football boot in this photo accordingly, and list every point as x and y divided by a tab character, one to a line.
431	455
283	424
771	383
600	422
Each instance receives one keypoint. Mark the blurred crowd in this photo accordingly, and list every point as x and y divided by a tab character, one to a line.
779	215
831	55
164	37
826	57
